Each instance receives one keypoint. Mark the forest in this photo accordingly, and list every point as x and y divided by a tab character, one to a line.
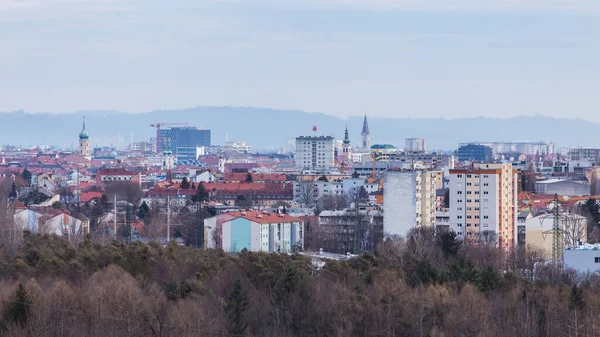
426	285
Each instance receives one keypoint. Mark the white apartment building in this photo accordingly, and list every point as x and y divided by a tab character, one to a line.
409	201
417	145
528	148
239	146
332	188
483	203
314	152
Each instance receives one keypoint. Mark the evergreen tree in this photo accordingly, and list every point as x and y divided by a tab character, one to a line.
143	211
17	311
27	175
248	177
235	307
355	174
185	183
201	194
449	243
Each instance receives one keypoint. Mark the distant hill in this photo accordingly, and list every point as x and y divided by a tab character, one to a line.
270	129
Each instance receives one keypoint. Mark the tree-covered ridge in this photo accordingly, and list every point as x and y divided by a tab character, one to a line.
426	285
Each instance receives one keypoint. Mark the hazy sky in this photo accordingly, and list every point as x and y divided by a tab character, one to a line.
403	58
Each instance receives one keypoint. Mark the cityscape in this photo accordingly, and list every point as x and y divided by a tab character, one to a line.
300	168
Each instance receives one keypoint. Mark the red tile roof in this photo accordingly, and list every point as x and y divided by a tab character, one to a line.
265	217
89	196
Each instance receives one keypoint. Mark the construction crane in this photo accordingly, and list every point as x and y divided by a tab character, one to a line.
158	126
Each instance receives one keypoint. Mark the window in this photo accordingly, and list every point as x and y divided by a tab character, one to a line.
459	225
476	225
468	184
485	176
459	200
476	200
597	259
469	200
468	192
468	225
468	217
477	217
468	176
459	176
469	208
459	216
458	192
459	208
485	217
486	184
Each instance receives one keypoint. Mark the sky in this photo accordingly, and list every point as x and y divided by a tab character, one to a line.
390	58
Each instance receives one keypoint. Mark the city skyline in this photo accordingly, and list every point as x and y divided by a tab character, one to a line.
394	58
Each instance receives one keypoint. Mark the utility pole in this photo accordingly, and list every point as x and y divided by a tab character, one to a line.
128	228
168	219
115	219
200	227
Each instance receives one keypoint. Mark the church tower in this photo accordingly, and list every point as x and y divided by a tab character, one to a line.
84	143
346	147
365	136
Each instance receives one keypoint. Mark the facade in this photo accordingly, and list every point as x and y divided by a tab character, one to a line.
63	224
527	148
319	188
409	201
423	161
538	231
314	153
483	203
477	152
106	176
239	146
562	187
415	145
583	259
189	153
350	231
365	136
84	143
580	153
185	137
262	232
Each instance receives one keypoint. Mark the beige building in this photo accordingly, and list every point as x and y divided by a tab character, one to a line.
483	202
538	231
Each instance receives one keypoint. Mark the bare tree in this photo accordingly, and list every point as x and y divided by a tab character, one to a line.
333	202
124	190
306	193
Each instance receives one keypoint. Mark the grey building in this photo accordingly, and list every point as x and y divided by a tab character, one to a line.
562	187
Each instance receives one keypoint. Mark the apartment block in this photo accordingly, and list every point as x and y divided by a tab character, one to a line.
262	232
409	201
415	145
483	203
314	153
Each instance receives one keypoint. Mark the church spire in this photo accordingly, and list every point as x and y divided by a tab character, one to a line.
365	129
365	136
346	138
